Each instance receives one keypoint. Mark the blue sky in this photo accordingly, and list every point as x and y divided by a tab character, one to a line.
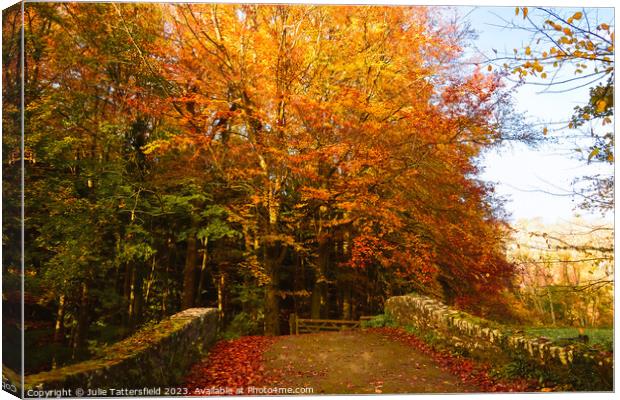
522	174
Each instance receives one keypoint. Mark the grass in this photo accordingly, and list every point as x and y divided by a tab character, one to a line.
603	336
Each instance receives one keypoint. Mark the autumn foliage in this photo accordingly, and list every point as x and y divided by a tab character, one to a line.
263	159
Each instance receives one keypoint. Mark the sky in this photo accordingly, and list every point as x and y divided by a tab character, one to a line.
526	176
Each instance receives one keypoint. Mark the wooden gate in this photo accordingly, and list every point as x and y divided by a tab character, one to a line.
304	325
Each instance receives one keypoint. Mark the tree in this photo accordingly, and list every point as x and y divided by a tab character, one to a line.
317	134
262	159
569	50
565	272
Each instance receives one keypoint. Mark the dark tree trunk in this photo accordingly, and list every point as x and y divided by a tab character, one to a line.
203	272
319	306
83	320
346	302
127	294
274	255
189	272
272	308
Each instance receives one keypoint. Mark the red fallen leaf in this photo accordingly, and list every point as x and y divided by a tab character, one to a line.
231	364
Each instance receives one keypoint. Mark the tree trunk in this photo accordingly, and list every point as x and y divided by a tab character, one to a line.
272	307
59	329
220	295
83	320
319	304
149	282
274	255
551	306
189	272
346	302
137	299
127	294
203	270
315	303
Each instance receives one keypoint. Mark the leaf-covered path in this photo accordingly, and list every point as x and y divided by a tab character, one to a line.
356	362
360	362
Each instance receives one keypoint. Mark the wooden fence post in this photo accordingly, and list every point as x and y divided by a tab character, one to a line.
292	323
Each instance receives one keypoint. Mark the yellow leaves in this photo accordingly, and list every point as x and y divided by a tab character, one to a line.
595	152
565	40
524	9
586	116
577	15
543	75
567	31
600	106
490	68
537	66
545	131
155	145
528	50
603	27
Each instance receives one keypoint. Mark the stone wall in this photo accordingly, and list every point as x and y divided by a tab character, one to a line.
154	357
462	329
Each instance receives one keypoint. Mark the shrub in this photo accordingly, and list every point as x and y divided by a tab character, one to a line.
242	325
379	321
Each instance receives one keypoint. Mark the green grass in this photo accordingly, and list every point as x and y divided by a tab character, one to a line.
602	337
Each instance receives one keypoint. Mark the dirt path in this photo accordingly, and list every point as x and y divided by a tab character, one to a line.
355	362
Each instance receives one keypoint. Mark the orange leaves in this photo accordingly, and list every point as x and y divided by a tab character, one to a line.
340	122
524	10
570	40
320	194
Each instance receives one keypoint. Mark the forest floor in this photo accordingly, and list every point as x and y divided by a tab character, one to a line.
354	362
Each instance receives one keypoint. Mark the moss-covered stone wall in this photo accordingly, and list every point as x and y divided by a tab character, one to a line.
157	356
459	329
